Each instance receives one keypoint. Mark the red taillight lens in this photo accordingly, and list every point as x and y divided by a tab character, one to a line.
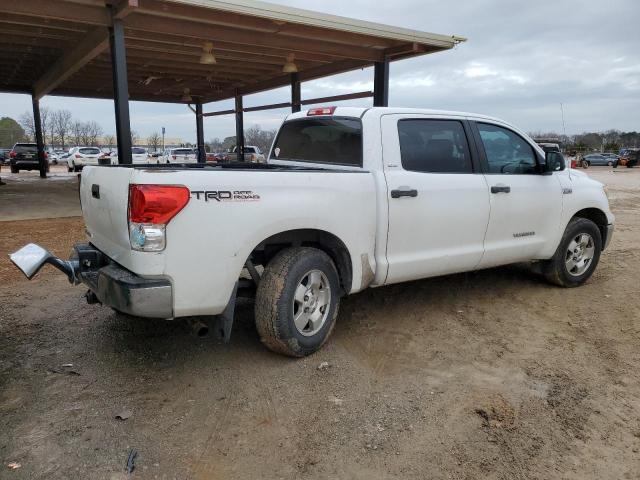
46	155
321	111
174	157
156	204
12	154
78	155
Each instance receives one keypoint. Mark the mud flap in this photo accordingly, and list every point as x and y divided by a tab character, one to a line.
224	321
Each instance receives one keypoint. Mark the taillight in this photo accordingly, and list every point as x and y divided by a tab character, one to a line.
321	111
12	154
46	155
78	155
151	208
174	157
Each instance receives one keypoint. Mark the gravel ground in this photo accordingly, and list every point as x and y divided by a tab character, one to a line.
492	374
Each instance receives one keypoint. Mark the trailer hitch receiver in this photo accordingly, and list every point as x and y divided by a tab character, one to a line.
31	258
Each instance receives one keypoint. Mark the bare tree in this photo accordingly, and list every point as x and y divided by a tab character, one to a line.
45	121
26	121
61	125
135	138
109	140
94	130
154	141
259	138
76	133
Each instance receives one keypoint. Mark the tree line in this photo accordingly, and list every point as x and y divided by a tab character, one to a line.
607	141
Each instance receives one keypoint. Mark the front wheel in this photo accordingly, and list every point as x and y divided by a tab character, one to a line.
585	164
14	169
297	301
577	255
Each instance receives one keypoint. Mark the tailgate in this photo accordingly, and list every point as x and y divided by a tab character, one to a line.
104	195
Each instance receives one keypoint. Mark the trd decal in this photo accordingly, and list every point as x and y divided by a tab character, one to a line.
226	196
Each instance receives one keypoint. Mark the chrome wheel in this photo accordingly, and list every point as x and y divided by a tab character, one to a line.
579	254
311	303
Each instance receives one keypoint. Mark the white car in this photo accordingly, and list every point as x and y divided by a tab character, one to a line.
251	154
139	155
350	198
179	155
79	157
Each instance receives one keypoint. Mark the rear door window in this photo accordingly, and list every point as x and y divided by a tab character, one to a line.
320	140
434	146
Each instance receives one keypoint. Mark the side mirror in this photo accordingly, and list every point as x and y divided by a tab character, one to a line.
554	162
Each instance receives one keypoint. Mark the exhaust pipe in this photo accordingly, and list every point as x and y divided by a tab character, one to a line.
31	258
199	328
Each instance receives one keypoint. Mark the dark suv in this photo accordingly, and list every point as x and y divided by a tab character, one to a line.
24	156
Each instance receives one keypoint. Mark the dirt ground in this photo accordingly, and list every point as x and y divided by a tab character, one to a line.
492	374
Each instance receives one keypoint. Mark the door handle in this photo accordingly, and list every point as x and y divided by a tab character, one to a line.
404	192
500	189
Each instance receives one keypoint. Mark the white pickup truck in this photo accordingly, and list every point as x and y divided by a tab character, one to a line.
350	198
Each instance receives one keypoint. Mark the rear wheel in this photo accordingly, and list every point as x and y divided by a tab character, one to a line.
297	301
577	255
585	164
14	169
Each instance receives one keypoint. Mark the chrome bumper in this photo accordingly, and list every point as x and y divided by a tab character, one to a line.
607	235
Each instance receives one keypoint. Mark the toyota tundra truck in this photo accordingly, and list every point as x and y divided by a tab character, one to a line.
349	198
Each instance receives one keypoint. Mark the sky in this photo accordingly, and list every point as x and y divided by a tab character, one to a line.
521	61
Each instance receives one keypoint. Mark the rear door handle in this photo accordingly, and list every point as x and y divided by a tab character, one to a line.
404	192
500	189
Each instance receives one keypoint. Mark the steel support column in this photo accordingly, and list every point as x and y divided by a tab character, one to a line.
239	129
37	123
202	153
120	89
381	84
295	93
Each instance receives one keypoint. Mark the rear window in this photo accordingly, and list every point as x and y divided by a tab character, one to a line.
25	147
321	140
89	151
138	151
182	151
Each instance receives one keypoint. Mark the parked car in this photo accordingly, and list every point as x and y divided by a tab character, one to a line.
630	157
179	155
251	154
4	155
139	155
24	156
79	157
598	159
404	194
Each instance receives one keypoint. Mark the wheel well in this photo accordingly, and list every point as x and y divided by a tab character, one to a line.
596	216
325	241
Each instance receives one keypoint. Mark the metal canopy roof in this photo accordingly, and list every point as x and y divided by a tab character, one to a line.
61	47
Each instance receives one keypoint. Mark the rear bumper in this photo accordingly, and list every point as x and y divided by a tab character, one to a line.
117	287
27	163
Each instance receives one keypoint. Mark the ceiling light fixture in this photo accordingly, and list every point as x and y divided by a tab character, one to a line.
290	65
186	96
207	57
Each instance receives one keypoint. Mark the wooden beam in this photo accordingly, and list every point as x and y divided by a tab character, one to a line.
93	44
337	98
86	14
90	47
247	37
219	112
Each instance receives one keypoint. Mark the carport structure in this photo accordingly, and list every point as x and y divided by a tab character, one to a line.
191	52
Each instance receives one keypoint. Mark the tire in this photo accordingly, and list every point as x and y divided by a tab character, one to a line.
276	302
69	169
556	270
585	164
15	169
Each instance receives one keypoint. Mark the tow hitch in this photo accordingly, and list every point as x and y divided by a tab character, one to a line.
31	258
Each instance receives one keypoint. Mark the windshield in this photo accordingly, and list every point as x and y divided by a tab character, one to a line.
321	140
90	151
